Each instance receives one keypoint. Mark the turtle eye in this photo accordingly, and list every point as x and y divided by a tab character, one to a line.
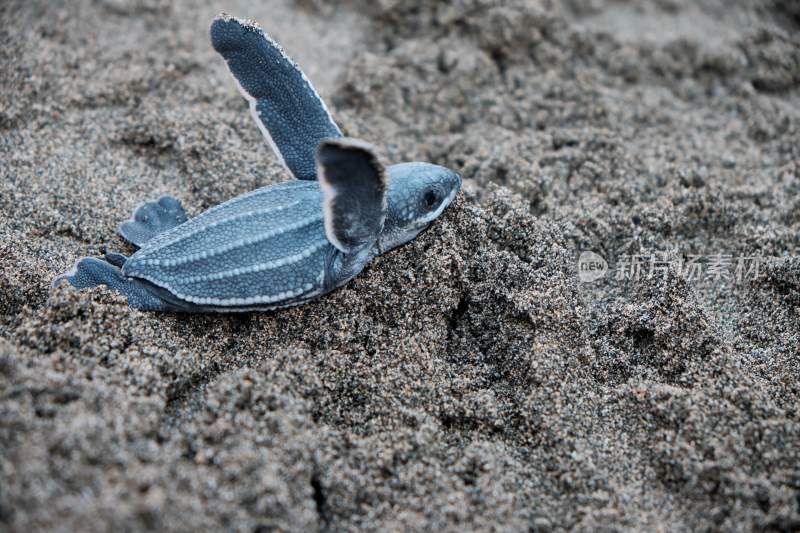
430	199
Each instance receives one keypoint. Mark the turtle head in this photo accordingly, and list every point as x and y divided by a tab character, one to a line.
417	195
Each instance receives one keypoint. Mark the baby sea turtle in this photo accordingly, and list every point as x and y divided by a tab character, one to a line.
285	244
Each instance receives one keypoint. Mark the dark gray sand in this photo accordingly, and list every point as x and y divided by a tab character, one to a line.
468	381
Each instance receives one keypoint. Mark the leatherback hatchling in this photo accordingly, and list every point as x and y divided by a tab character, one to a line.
280	245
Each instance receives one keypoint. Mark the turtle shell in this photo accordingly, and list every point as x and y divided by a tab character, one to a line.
267	247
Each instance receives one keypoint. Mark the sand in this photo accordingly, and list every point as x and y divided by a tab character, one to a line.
469	380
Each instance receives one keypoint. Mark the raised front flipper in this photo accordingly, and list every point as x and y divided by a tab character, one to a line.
152	218
284	104
354	183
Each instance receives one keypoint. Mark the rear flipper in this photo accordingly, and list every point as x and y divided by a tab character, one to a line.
92	272
113	257
152	218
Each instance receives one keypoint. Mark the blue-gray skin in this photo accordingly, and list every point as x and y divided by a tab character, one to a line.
281	245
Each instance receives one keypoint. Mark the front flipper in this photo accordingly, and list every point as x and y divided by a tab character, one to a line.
92	272
152	218
284	104
354	183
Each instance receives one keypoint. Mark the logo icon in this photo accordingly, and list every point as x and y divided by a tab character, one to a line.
591	267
